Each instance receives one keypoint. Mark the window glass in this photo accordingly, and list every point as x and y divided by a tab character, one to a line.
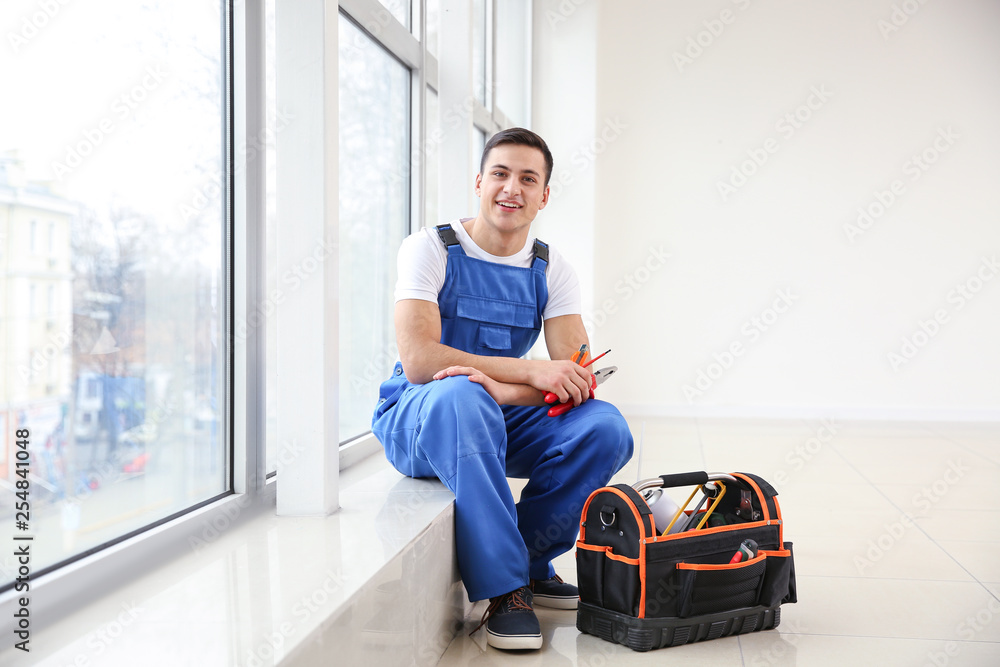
374	216
479	60
119	381
400	9
433	19
479	146
273	125
431	153
513	76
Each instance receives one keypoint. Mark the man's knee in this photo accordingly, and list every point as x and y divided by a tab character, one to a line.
612	435
459	403
460	394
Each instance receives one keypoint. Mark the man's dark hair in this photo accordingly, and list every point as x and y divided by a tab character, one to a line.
521	137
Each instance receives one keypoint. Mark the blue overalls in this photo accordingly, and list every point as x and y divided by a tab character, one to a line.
453	430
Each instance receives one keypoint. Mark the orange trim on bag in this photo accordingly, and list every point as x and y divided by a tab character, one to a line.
583	514
783	553
635	510
781	524
709	531
622	559
725	566
642	578
628	501
607	552
760	495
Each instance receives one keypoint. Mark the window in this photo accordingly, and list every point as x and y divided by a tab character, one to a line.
433	8
480	58
271	246
400	10
513	59
432	150
374	216
398	130
123	388
123	385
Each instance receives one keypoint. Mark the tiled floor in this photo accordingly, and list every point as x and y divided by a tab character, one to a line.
896	530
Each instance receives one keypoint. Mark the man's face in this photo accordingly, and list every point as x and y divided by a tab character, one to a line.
511	188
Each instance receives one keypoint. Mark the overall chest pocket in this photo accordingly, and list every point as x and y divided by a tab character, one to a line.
498	321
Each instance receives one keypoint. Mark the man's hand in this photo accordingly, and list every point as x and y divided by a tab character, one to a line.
504	393
566	379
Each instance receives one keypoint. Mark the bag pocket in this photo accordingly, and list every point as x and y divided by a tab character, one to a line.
779	577
621	585
607	580
663	590
590	574
709	588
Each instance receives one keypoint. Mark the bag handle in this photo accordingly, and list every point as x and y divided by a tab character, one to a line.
684	479
699	478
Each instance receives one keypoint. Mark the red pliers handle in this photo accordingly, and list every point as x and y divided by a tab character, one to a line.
563	408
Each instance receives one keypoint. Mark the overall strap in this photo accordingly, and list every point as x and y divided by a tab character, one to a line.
541	255
450	239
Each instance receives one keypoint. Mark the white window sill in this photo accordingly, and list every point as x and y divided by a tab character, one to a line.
250	587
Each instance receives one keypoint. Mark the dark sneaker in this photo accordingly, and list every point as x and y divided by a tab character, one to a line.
555	593
511	622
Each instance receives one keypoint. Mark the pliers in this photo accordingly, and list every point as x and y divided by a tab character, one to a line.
597	378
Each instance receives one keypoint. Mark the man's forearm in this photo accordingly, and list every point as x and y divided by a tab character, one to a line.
420	368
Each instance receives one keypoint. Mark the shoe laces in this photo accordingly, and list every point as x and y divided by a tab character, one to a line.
556	577
517	602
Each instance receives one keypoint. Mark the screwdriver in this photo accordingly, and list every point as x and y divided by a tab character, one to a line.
578	357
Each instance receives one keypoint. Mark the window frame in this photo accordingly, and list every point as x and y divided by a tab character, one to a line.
67	585
403	44
59	590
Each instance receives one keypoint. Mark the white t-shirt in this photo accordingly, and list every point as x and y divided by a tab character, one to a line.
423	259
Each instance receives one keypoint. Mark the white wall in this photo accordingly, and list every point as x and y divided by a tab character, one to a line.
670	131
563	106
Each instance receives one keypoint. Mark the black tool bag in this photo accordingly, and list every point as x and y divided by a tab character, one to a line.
647	589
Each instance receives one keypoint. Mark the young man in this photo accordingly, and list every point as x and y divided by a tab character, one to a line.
463	406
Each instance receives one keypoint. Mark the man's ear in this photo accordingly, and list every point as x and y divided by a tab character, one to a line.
545	198
479	182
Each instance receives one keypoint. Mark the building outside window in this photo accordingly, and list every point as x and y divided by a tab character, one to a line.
121	384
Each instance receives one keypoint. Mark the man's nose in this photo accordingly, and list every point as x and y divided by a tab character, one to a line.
512	186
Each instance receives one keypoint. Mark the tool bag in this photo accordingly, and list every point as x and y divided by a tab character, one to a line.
647	589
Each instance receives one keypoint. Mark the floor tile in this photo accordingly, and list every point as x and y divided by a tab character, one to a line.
922	461
892	608
962	525
780	460
565	645
895	551
773	650
979	558
922	499
893	538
